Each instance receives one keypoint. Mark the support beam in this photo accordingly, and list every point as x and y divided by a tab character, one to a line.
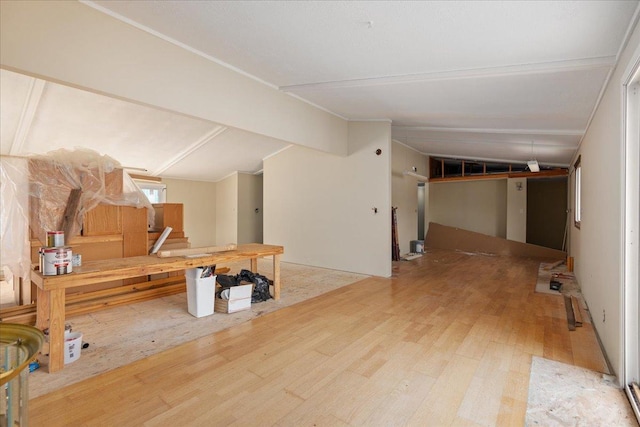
74	44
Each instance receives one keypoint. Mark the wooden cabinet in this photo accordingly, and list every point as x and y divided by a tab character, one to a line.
169	215
134	231
102	220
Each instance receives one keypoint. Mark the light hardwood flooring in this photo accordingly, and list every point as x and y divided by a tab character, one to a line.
120	335
448	340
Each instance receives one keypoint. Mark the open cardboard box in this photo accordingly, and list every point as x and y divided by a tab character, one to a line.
239	299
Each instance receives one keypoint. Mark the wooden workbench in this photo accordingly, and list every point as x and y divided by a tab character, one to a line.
51	289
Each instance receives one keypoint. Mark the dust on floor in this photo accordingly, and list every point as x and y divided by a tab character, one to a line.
121	335
566	395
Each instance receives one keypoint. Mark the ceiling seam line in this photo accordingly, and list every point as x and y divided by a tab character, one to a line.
193	147
524	69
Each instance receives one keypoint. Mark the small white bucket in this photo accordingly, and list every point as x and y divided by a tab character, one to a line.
72	346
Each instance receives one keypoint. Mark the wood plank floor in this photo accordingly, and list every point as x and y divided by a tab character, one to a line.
448	340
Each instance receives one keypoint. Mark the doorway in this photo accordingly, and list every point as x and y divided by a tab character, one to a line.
547	211
421	204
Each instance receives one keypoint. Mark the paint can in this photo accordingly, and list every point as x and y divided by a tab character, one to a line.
55	239
76	260
56	261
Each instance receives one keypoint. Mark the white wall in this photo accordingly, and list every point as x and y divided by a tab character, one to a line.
517	209
250	199
220	213
597	245
199	210
404	192
479	206
320	206
72	43
227	210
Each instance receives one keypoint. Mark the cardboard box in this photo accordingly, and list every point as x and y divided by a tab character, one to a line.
239	299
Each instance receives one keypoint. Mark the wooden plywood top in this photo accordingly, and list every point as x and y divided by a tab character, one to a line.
123	268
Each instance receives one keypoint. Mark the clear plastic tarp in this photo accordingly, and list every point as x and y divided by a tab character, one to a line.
45	193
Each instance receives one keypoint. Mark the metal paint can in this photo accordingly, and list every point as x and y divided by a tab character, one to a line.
56	261
76	260
55	239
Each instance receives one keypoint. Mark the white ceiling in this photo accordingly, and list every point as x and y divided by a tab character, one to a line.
38	117
488	80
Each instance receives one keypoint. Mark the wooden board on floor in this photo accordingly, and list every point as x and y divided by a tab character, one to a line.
571	319
577	312
445	237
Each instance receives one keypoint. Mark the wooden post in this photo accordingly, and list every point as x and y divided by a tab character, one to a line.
276	277
50	314
42	309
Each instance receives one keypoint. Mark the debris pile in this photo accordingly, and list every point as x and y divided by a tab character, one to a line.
260	284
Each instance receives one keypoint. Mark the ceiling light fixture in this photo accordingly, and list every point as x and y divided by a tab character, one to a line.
416	175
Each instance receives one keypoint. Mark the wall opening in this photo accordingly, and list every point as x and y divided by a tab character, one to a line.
547	211
421	201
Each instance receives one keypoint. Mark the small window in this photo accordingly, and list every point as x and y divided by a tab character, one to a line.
577	211
155	192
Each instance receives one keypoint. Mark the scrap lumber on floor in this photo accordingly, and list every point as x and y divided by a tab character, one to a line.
577	312
571	319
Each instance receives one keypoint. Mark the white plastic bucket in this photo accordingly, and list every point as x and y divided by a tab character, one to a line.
72	346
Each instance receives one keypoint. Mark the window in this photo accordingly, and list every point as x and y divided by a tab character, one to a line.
155	191
577	205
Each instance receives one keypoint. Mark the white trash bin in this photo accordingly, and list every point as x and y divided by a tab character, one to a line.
200	292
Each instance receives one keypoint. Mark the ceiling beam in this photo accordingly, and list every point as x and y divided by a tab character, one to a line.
510	70
552	132
79	46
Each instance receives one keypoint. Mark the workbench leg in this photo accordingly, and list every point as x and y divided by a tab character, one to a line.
276	277
254	265
56	330
42	309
